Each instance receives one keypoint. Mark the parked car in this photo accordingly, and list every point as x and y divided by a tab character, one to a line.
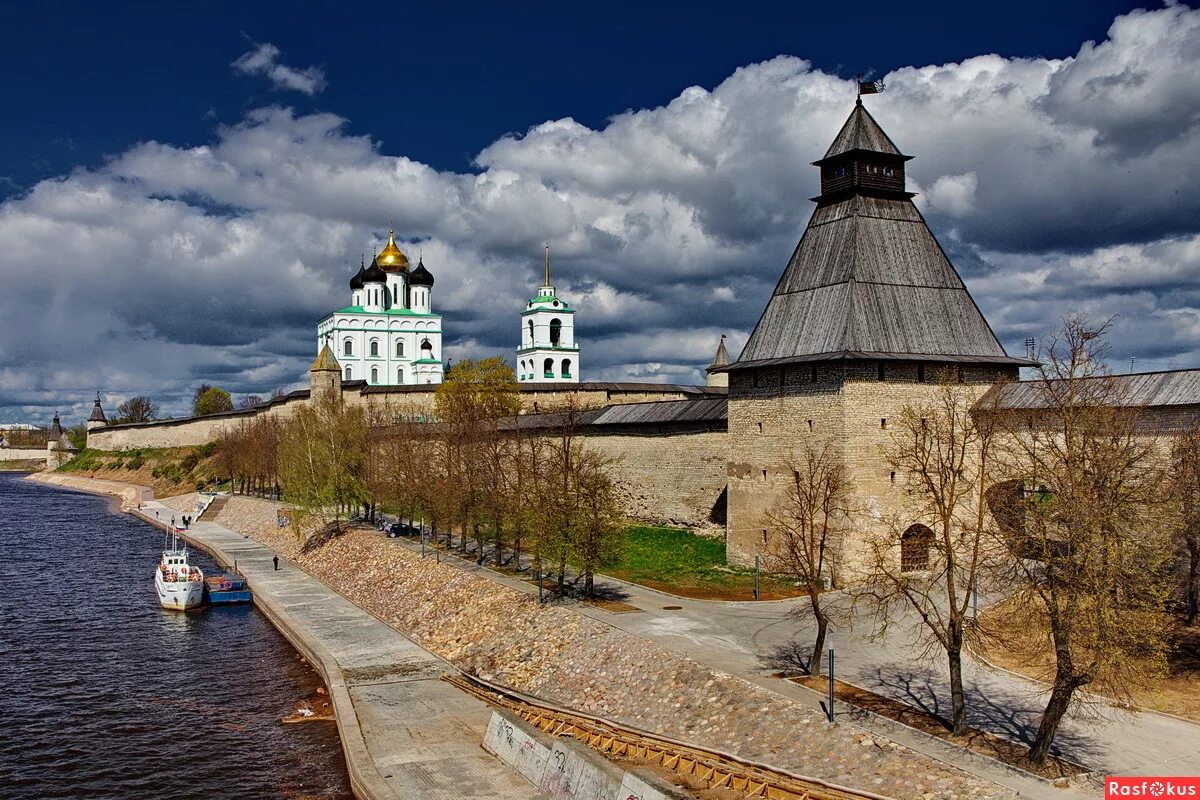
401	529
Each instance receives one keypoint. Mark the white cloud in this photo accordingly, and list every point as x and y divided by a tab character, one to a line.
169	265
263	59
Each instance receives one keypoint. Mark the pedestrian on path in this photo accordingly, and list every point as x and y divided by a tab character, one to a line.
276	560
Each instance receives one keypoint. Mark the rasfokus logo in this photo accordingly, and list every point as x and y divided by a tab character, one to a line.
1140	786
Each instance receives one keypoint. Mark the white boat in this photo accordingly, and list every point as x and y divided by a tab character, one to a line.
180	586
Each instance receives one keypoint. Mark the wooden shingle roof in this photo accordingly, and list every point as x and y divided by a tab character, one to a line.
869	280
861	132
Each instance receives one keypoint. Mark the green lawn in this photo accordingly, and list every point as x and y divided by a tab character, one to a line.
678	561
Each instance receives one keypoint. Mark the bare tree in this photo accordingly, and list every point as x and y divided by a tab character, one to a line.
137	409
1090	558
943	452
1185	491
810	524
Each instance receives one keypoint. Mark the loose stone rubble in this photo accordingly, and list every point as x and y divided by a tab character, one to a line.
505	636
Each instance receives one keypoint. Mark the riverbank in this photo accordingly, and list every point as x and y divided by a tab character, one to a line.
576	661
405	733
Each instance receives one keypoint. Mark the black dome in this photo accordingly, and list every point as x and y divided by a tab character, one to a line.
420	276
357	281
374	274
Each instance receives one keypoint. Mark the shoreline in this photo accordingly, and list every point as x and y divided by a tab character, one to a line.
276	596
364	783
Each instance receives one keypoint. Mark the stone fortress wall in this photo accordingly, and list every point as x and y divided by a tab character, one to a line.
667	475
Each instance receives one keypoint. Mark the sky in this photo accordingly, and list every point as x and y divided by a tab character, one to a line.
185	189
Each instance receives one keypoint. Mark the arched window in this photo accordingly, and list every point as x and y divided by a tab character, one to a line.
400	375
347	348
549	370
522	372
531	331
374	374
566	368
914	548
400	348
347	374
555	332
374	348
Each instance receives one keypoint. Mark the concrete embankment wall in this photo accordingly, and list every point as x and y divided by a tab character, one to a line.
566	769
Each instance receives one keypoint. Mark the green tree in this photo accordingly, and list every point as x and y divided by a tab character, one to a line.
212	401
322	462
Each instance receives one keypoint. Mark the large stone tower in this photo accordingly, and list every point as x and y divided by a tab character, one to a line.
548	351
868	314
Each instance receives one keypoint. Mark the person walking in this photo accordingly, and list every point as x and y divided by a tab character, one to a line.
276	560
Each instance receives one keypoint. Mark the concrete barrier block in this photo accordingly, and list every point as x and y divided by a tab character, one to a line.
565	769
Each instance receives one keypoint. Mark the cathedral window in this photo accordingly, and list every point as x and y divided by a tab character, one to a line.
374	374
400	349
347	374
374	348
555	332
400	375
548	372
531	331
348	348
566	368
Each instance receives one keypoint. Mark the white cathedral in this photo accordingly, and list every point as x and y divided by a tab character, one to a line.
389	335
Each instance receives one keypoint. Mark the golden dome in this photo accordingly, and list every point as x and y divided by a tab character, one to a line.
391	258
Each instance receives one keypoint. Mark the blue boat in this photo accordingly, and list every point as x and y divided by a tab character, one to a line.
225	589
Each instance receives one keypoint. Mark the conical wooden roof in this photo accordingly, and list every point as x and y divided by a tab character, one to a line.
325	362
861	132
869	280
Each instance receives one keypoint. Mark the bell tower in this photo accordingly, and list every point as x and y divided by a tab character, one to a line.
548	351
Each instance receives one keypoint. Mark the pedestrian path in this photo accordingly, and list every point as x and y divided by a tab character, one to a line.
406	733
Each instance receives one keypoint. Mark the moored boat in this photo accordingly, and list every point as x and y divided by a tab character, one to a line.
180	586
225	589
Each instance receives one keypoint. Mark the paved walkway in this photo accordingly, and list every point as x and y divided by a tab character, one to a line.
754	640
406	733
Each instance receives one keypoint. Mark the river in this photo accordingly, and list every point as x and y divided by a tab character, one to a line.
103	694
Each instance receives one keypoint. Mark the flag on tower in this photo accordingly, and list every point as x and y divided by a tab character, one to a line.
870	87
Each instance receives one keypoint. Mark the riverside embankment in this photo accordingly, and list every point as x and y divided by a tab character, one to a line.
405	733
571	659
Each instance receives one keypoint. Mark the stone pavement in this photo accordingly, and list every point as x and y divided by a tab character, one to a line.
406	733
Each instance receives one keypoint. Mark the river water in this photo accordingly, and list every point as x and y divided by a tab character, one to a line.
103	694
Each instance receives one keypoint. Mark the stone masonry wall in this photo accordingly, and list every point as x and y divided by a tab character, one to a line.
672	479
774	414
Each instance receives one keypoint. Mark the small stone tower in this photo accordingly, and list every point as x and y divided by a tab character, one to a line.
717	377
97	419
58	446
548	352
325	377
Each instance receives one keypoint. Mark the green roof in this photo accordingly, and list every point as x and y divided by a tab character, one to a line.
427	361
391	312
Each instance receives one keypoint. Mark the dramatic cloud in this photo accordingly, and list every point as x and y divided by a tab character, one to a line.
1055	185
263	59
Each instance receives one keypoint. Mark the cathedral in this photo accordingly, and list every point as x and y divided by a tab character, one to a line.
388	335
